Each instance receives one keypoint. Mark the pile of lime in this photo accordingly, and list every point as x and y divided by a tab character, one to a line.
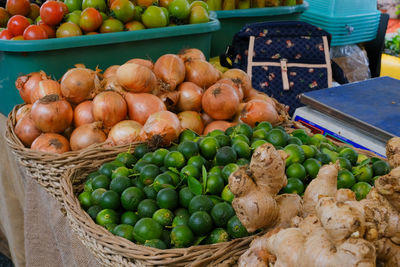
179	196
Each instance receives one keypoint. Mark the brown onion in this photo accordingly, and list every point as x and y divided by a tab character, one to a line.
27	83
45	87
22	111
26	130
189	97
142	62
217	125
52	114
191	54
258	111
163	127
125	132
110	71
83	113
240	78
220	101
51	143
86	135
136	78
254	94
170	69
141	106
238	89
206	118
170	99
191	120
109	107
201	73
80	84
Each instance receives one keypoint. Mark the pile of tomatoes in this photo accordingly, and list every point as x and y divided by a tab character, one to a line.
22	20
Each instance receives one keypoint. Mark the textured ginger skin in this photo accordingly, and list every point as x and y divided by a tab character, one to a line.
393	152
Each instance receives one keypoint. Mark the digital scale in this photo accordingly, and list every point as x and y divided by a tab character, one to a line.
364	114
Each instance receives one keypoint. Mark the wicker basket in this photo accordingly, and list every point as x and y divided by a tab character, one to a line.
111	250
47	168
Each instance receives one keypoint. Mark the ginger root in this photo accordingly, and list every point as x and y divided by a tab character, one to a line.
393	152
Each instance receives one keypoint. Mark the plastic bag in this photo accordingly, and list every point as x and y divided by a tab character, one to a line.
353	60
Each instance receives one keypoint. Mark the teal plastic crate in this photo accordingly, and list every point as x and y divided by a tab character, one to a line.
337	8
56	56
232	21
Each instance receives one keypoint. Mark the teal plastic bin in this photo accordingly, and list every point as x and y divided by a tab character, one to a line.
56	56
232	21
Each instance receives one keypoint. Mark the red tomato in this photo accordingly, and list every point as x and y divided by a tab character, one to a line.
90	20
68	29
18	38
35	12
51	32
51	12
18	7
35	32
64	7
17	24
6	35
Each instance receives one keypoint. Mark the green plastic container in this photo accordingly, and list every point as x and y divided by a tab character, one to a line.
56	56
232	21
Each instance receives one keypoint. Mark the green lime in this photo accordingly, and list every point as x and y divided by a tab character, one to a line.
124	230
110	200
225	155
363	174
323	158
147	229
174	176
127	158
380	168
150	192
294	186
296	154
101	181
148	157
190	170
200	222
257	143
88	185
302	135
309	152
188	149
182	236
320	137
208	147
163	180
117	163
349	154
215	133
372	182
93	211
129	217
227	195
120	171
332	154
242	162
344	163
215	199
240	137
174	159
159	155
200	203
314	141
197	161
223	140
294	140
167	198
155	243
147	207
140	165
296	170
215	184
92	175
228	169
140	151
182	212
277	137
96	195
361	158
221	213
312	167
120	183
110	227
187	135
339	149
242	149
229	131
216	170
260	134
243	128
131	197
85	200
185	195
345	179
327	146
164	217
265	125
235	228
166	238
107	216
137	183
218	235
180	220
361	189
149	173
107	168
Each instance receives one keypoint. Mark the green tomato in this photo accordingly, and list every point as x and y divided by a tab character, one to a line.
166	13
73	5
123	10
68	29
198	14
134	26
111	25
199	3
137	15
100	5
154	17
72	17
179	9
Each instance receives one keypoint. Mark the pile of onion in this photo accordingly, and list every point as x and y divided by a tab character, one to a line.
240	78
51	143
191	120
136	78
109	107
141	106
217	125
163	127
83	113
190	95
125	132
142	62
44	88
220	101
22	111
191	54
86	135
26	130
201	73
27	83
257	111
237	88
170	69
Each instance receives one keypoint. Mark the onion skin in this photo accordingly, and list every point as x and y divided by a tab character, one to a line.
220	101
201	73
136	78
191	54
83	113
80	84
52	114
110	108
206	118
237	88
143	62
44	88
162	127
27	83
170	69
190	95
254	94
240	78
51	143
26	130
110	71
258	111
22	111
217	125
141	106
125	132
191	120
86	135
